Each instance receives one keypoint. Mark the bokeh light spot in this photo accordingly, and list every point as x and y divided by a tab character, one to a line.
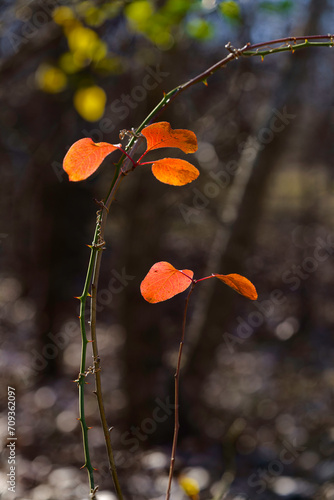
50	79
90	102
45	397
62	15
66	421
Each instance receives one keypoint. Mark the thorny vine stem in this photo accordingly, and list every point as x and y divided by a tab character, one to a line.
101	222
92	280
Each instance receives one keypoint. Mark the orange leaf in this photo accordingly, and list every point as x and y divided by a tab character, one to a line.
161	135
85	156
163	281
240	284
174	171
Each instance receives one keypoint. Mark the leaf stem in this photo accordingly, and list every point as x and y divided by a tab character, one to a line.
128	156
145	162
206	278
176	379
184	274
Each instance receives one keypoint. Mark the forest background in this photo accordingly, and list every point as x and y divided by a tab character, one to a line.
257	383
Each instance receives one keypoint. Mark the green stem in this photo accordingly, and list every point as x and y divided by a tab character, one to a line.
95	247
102	216
176	405
122	168
82	373
287	48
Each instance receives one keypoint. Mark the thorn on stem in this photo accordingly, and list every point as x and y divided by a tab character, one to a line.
101	204
99	246
129	133
235	52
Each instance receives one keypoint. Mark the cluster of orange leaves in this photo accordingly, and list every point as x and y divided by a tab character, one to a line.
163	281
85	156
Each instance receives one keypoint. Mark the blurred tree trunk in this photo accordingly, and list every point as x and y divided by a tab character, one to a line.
143	347
241	233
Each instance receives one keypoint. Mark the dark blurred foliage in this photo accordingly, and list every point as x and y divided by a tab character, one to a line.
257	381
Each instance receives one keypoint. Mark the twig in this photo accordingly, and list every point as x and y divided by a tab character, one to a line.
247	51
176	378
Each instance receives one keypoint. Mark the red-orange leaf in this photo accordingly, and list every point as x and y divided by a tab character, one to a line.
161	135
174	171
85	156
240	284
163	281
